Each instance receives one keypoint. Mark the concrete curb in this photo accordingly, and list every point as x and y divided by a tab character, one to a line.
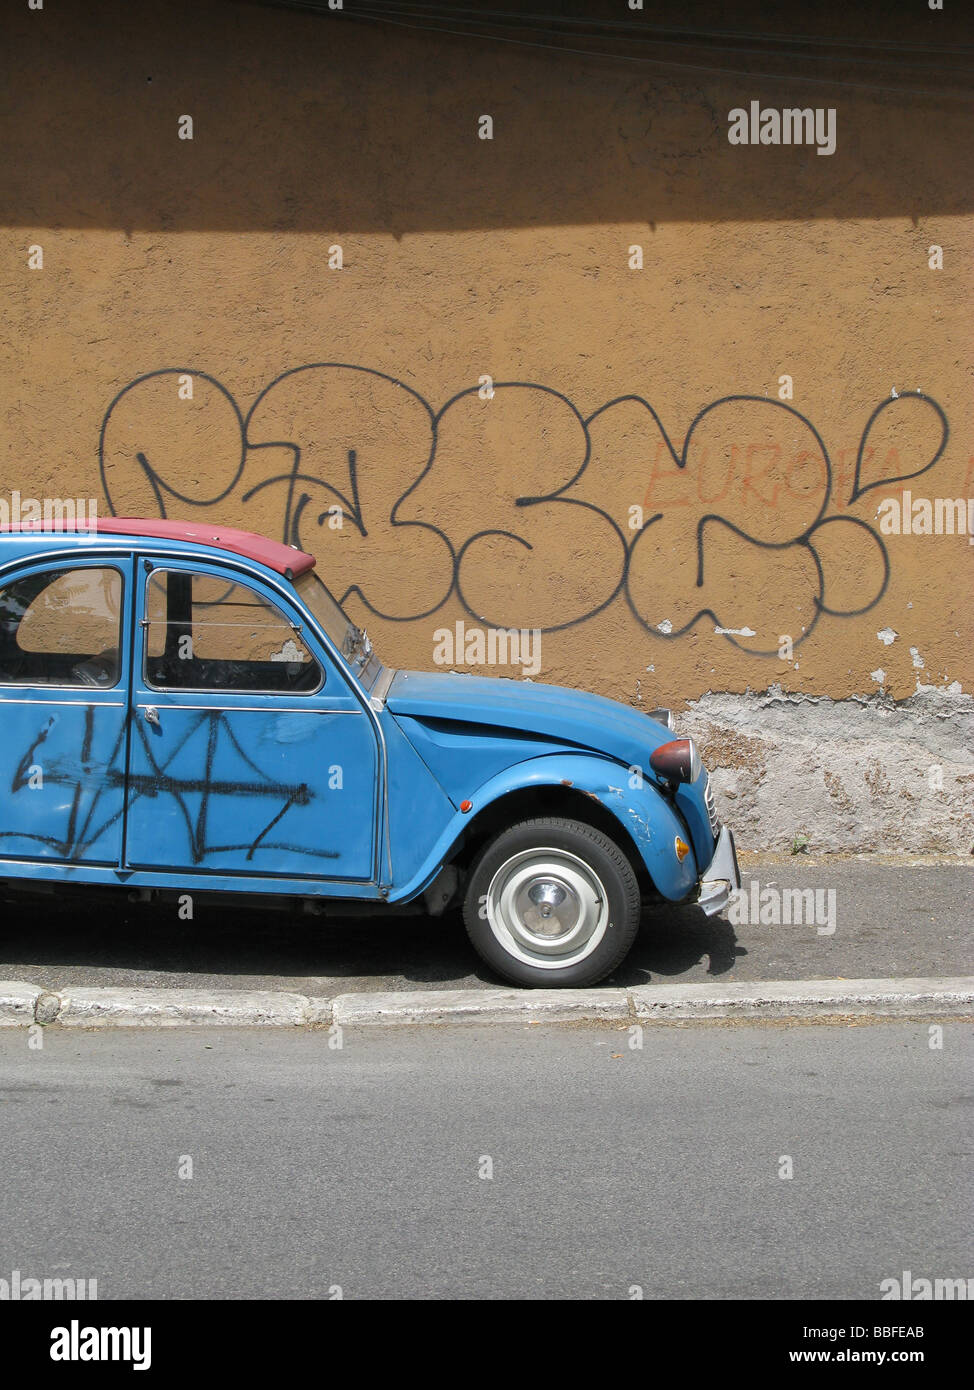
806	999
23	1004
153	1008
482	1006
17	1003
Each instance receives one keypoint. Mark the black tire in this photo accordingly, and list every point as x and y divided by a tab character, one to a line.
606	865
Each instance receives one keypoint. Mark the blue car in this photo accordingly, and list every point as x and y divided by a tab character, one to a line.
186	708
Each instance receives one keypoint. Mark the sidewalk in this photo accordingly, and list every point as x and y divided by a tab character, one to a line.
895	939
892	921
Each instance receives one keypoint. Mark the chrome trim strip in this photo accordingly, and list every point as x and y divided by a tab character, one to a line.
381	689
124	876
99	704
708	796
254	709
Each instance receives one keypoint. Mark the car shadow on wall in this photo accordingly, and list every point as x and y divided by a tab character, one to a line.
92	938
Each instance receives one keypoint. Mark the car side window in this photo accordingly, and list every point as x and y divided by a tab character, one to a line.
203	632
62	626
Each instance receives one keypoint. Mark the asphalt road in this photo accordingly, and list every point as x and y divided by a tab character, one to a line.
889	921
611	1167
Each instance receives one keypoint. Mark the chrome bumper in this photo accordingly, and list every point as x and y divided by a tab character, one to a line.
721	875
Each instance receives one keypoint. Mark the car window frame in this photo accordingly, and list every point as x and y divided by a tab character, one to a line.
211	569
63	563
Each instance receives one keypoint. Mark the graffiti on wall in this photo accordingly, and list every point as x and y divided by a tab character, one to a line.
531	514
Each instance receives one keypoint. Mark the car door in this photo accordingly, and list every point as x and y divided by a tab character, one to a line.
63	710
249	752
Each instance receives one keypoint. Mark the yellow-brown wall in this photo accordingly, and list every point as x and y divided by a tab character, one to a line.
510	258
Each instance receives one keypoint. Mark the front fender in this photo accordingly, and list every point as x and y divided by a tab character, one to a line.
642	811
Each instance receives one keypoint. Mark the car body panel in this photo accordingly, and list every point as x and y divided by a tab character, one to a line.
560	715
62	754
239	782
420	816
463	756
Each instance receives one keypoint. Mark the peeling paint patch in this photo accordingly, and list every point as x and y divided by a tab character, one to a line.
879	675
644	827
665	626
887	636
735	632
852	774
954	688
918	661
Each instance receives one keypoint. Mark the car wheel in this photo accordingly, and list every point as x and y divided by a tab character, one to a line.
552	903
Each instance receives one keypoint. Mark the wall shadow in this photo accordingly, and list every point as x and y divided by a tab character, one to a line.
311	121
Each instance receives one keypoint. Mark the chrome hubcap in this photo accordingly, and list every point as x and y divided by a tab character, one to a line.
547	908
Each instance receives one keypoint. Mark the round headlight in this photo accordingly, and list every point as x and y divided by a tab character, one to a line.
677	761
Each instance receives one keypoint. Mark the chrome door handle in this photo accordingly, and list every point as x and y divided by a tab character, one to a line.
151	714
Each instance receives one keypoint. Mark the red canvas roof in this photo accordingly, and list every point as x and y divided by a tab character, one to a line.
274	554
285	559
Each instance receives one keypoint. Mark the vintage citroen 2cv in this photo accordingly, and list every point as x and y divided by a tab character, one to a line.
186	707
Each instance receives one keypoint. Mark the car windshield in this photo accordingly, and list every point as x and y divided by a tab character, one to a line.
351	641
